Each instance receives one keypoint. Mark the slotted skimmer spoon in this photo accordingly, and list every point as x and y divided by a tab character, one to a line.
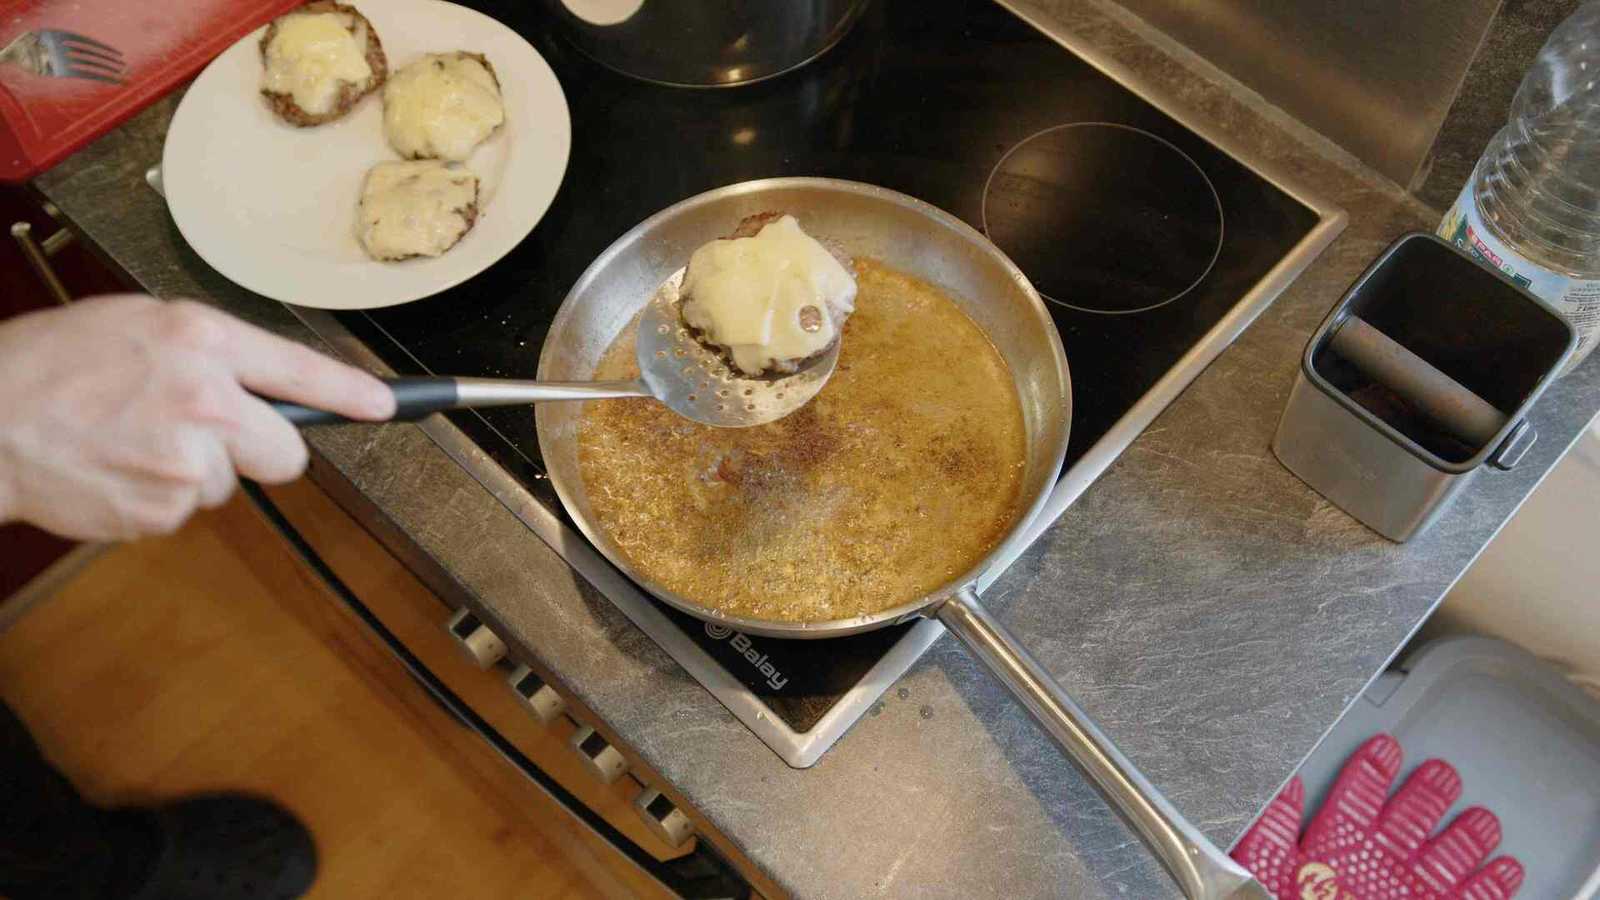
674	368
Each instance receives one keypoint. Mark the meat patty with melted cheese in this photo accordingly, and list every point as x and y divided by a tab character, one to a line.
319	61
442	106
416	208
769	296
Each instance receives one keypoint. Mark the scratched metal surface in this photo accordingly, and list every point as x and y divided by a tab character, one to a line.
1212	612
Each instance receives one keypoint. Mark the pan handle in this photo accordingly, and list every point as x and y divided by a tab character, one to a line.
1202	870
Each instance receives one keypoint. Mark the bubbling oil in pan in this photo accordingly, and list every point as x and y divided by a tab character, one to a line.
900	475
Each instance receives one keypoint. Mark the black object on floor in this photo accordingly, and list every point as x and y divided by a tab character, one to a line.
54	845
228	847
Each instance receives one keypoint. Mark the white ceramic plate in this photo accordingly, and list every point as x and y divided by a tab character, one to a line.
273	207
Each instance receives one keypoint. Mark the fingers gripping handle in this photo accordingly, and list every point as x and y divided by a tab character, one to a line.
414	399
1195	863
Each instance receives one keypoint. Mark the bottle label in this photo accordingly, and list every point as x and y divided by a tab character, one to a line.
1577	300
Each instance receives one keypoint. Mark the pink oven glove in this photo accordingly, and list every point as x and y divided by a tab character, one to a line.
1365	845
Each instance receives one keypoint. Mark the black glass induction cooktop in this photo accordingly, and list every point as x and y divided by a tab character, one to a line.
1141	234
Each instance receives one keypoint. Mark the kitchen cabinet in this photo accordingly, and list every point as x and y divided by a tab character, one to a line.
512	709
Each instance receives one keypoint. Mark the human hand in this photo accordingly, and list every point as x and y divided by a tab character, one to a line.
1365	845
120	416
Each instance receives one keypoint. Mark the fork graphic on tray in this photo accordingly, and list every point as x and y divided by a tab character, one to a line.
64	54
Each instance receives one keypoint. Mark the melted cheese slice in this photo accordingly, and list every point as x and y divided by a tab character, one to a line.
442	105
415	208
311	55
771	300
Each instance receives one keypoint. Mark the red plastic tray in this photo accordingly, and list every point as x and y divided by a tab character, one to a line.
163	43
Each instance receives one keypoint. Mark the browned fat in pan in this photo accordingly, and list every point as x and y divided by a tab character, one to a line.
899	476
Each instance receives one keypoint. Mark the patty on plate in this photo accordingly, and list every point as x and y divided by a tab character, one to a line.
318	61
442	106
416	208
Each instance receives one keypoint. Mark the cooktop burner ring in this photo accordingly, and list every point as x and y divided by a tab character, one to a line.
1168	238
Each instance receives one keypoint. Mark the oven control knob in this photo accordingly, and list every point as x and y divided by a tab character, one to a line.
605	762
538	698
481	645
663	818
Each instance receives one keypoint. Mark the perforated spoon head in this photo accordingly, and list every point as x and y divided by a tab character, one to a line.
698	383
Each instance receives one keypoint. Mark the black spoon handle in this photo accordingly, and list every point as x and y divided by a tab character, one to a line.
414	398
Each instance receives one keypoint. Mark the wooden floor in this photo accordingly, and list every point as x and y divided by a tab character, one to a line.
210	660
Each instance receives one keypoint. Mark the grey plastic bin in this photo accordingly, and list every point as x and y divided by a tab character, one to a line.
1525	740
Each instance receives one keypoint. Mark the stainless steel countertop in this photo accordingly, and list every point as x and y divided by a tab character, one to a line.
1210	610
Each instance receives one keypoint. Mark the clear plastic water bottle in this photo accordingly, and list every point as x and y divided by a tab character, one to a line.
1532	206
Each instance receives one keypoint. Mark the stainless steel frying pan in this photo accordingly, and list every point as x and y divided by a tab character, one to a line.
913	237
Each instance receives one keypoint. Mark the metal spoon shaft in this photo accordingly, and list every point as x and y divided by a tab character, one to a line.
418	397
475	392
